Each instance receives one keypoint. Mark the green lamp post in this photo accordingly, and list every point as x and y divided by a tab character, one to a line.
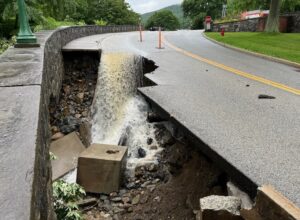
25	36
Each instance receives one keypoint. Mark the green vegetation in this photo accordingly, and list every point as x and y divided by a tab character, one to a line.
65	196
285	46
176	10
50	14
4	43
196	10
165	19
236	7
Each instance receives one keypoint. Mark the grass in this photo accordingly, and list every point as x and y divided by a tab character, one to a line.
284	46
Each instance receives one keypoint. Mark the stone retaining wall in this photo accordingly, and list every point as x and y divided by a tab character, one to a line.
28	79
288	23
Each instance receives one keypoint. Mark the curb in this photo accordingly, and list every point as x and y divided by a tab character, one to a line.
275	59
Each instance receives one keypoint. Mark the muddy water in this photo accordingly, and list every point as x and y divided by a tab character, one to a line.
119	115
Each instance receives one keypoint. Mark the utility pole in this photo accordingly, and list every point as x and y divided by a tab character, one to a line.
25	36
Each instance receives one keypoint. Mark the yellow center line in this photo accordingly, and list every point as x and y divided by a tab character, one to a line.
233	70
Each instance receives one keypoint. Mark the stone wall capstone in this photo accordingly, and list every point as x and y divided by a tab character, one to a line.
29	78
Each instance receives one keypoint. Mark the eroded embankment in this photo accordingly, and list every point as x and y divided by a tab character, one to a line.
166	175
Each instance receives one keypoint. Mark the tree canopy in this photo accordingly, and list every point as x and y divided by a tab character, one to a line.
165	19
47	14
198	9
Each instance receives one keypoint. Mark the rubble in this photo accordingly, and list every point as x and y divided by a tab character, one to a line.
100	168
66	150
220	208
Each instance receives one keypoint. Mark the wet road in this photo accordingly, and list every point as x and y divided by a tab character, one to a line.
213	92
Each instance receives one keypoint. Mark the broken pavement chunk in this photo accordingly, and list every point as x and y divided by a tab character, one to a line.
220	208
67	150
100	168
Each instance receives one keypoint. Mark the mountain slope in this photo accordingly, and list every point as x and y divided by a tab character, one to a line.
176	10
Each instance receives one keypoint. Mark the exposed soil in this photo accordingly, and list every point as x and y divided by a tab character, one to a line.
188	176
168	190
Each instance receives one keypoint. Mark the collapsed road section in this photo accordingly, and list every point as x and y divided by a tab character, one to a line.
148	188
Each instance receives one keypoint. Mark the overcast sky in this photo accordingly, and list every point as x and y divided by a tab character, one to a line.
143	6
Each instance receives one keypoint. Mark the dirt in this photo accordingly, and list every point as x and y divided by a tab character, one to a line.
190	178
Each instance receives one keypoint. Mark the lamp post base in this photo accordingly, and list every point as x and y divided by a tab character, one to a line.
26	39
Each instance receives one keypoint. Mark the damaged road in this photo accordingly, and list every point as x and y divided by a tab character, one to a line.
256	139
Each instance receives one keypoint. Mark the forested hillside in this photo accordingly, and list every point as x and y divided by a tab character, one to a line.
176	10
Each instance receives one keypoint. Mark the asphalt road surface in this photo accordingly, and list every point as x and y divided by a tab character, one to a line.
213	91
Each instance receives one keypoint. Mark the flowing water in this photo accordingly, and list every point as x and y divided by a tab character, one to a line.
119	115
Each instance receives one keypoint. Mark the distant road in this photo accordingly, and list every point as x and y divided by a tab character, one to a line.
213	92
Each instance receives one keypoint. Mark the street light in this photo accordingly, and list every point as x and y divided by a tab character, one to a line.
25	36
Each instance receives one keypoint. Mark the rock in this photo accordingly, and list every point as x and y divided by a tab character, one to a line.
69	124
126	200
78	116
87	202
149	141
57	136
130	209
157	199
139	171
79	97
153	117
131	185
145	184
103	197
220	207
235	191
141	153
84	113
122	192
155	181
153	148
152	167
144	199
54	129
136	199
113	194
163	136
67	89
116	199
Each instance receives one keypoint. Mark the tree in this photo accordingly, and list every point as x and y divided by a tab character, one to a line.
165	19
194	8
273	18
236	7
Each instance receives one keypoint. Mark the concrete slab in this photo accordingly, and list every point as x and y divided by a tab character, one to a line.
19	113
67	151
100	168
19	66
